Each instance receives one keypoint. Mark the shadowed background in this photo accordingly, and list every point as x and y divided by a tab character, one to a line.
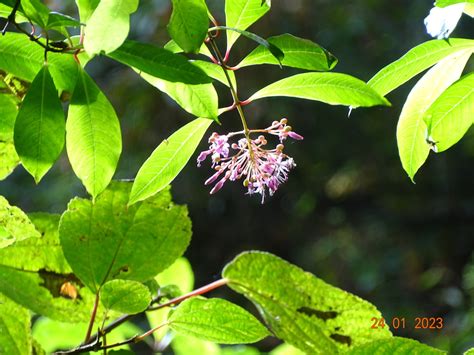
348	213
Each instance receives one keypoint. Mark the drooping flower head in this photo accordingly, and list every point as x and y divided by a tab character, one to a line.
262	170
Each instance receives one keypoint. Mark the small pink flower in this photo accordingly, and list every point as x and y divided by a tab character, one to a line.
262	169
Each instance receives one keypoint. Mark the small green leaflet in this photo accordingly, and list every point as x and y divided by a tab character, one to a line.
241	14
301	309
93	138
36	11
444	3
15	225
125	296
108	26
451	115
15	333
40	126
168	159
298	53
469	352
411	129
188	24
8	157
216	320
415	61
274	50
108	240
395	345
331	88
173	47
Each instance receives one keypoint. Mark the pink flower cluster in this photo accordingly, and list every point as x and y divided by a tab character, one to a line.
262	169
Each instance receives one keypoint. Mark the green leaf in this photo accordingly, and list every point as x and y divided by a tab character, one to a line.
241	14
173	47
298	53
72	334
469	9
188	24
286	349
469	352
40	126
415	61
15	334
171	73
108	240
444	3
451	115
185	345
86	8
15	225
411	130
93	138
24	59
58	20
216	72
8	156
274	50
159	63
108	27
395	345
125	296
216	320
167	160
301	309
331	88
180	274
36	11
24	254
35	274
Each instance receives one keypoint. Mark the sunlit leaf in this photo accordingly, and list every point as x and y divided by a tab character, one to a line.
72	334
173	74
399	346
331	88
188	24
15	225
35	274
108	26
286	349
36	11
298	53
301	309
8	157
444	3
40	126
58	20
125	296
24	59
86	8
93	138
411	129
415	61
241	14
173	47
216	72
108	240
451	115
168	159
216	320
15	334
185	345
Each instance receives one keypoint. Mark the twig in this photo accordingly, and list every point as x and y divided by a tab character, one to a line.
92	320
93	343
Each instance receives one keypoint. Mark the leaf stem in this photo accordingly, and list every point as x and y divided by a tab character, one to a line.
93	315
231	87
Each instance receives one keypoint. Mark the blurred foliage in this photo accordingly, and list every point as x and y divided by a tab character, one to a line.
349	213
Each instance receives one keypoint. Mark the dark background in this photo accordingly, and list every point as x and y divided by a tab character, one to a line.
348	213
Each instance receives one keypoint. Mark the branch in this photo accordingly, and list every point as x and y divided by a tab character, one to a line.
93	344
